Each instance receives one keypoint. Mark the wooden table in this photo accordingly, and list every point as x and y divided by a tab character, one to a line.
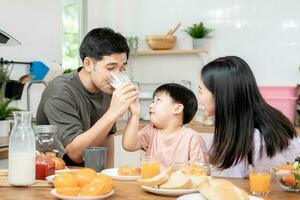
129	190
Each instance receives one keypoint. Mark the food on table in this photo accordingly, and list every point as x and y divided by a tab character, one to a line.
197	180
85	176
66	180
59	163
184	178
107	180
85	182
158	179
289	176
220	189
177	180
44	167
128	171
68	191
195	169
50	154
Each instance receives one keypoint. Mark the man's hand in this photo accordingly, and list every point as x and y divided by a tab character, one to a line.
122	98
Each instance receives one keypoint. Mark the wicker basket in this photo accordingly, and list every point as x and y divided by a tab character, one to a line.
161	42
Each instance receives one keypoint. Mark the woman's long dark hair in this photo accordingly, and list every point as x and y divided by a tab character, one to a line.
240	109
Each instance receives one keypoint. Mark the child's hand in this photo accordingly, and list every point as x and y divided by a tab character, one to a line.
135	107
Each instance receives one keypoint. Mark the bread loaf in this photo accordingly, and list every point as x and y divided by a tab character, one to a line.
220	189
158	179
177	180
198	179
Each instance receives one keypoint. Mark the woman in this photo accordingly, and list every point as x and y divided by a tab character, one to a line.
247	130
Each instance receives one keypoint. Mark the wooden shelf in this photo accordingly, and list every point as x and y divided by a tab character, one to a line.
170	52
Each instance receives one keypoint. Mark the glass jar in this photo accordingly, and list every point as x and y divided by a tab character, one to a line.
48	147
47	141
21	157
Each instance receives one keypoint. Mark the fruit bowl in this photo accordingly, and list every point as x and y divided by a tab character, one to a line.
288	179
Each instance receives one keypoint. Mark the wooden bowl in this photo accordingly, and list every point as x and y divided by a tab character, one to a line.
161	42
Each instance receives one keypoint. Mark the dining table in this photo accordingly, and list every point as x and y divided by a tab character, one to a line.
131	190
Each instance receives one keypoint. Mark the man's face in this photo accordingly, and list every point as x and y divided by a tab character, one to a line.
100	71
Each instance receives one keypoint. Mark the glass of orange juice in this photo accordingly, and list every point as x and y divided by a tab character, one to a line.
150	166
260	180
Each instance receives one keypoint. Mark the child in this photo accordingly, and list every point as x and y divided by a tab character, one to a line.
166	136
247	130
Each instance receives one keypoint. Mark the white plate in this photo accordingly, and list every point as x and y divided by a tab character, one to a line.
169	192
64	197
113	173
50	178
199	196
66	170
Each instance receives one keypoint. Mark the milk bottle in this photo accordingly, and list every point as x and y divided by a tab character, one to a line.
21	157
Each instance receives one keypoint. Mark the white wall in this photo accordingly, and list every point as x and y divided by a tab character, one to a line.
37	24
263	32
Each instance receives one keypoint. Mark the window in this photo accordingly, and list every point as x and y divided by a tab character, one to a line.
73	23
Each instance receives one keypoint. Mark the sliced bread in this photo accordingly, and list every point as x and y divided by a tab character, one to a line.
158	179
177	180
198	179
220	189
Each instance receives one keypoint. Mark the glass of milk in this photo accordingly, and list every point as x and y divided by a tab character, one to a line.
21	156
118	79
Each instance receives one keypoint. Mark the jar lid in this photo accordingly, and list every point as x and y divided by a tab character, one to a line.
45	128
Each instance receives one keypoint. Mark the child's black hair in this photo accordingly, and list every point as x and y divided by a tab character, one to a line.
180	94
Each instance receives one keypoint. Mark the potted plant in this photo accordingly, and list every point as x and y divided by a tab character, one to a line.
6	113
198	32
4	73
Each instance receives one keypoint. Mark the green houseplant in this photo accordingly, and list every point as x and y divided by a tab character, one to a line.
198	32
4	74
6	113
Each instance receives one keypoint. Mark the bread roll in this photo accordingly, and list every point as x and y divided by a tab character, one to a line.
158	179
129	171
59	163
198	179
177	180
220	189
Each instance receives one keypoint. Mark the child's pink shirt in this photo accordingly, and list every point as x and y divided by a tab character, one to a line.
188	145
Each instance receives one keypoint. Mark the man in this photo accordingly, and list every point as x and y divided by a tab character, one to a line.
83	104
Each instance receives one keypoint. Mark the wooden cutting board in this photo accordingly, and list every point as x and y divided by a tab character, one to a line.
4	180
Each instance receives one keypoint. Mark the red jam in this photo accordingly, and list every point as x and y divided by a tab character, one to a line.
44	168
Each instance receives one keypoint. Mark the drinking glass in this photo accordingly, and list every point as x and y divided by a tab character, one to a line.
95	158
150	166
260	180
118	79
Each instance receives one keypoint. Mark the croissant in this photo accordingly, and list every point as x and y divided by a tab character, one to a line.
59	163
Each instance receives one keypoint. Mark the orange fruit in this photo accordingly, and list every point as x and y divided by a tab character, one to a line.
107	180
85	176
92	189
290	180
69	191
65	180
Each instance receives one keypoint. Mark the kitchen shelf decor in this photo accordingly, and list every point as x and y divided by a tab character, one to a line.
171	52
